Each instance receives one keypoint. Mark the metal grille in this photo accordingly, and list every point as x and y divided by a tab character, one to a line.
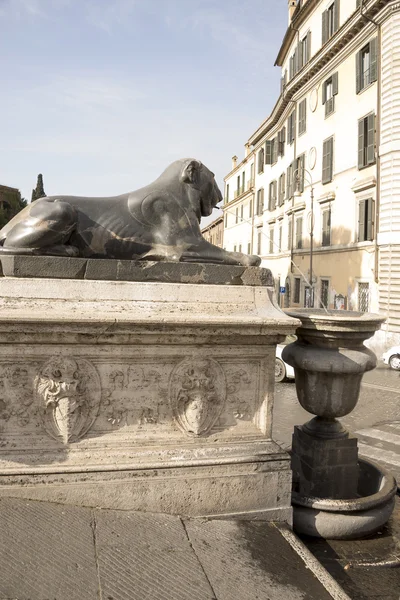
324	293
363	297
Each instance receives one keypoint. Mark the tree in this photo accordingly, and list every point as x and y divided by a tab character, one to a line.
38	192
10	204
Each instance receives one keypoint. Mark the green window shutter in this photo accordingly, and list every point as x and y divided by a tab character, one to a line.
250	209
290	233
361	221
327	160
300	117
268	152
300	167
358	72
275	190
361	144
289	128
371	140
370	219
299	232
308	46
373	69
325	33
337	14
335	83
274	150
324	92
288	182
283	140
270	197
293	132
299	50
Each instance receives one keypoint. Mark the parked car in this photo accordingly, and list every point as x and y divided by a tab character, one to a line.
283	371
392	357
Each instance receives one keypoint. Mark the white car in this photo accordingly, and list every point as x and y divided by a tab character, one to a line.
283	370
392	357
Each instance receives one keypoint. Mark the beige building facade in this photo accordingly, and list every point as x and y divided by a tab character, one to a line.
214	232
326	163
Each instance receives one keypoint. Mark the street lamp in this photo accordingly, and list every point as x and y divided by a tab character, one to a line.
302	174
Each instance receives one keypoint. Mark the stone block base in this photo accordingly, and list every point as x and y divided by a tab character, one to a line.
324	468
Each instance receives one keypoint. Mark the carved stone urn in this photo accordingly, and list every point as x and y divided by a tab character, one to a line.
329	482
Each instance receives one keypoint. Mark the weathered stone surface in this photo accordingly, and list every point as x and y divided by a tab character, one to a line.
142	396
60	267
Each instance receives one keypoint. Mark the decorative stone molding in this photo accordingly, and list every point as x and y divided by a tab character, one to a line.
68	392
364	184
197	395
328	197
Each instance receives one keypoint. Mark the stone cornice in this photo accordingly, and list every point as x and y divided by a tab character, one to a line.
298	19
338	41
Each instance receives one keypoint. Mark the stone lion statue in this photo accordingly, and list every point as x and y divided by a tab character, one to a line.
160	221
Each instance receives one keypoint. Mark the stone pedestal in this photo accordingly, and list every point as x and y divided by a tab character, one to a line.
326	468
149	396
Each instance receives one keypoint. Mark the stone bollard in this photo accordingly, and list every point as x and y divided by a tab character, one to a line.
329	359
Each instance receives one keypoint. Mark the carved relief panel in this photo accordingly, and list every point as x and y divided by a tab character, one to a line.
68	394
197	395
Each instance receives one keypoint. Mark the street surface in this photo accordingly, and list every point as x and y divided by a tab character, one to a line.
375	420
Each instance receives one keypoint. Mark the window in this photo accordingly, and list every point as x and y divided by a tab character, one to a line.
305	52
271	151
308	303
241	212
324	296
363	296
296	291
326	227
240	247
234	248
366	220
290	226
250	209
302	116
366	141
271	240
327	161
237	215
299	233
366	65
281	191
226	219
298	166
291	127
330	21
281	141
330	89
238	185
261	161
272	195
280	238
252	174
274	150
300	56
249	248
227	193
290	179
242	189
260	201
259	240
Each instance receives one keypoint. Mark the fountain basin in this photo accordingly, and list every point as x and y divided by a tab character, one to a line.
352	518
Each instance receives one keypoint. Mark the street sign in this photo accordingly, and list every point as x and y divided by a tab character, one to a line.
282	290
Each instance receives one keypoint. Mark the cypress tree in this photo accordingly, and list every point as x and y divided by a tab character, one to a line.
38	192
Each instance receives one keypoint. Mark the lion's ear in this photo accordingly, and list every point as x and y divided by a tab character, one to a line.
190	171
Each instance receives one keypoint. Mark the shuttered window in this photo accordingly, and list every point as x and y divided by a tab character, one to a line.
291	128
327	161
280	238
290	226
366	65
330	21
260	201
330	89
299	232
366	141
281	191
299	168
268	152
281	141
272	195
289	181
261	161
274	150
271	240
302	116
366	215
250	209
259	240
326	227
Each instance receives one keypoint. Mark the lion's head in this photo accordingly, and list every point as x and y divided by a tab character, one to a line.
202	181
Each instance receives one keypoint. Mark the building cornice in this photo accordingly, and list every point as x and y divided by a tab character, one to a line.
213	224
239	166
334	46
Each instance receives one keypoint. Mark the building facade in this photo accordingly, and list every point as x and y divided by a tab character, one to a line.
214	232
326	163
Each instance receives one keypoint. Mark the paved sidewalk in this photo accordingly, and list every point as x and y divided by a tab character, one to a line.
56	552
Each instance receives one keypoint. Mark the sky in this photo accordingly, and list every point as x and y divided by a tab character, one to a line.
101	95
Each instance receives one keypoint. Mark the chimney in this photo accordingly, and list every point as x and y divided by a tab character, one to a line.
234	162
292	7
247	149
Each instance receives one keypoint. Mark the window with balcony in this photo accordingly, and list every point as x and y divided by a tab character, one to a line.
330	89
366	141
366	215
366	65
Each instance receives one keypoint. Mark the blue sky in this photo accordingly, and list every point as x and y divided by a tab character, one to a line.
100	95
